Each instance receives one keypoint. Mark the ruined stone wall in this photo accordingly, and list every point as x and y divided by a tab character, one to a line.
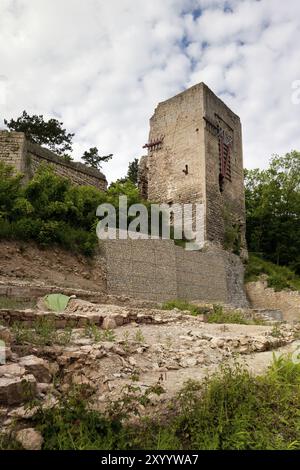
176	170
26	158
227	207
12	149
158	270
262	296
184	165
77	172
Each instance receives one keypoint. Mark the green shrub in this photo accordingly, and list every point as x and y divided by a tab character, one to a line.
279	277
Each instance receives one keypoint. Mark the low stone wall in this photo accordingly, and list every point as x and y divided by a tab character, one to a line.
158	270
27	157
262	296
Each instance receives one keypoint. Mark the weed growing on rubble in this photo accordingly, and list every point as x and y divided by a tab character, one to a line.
230	410
231	316
42	333
185	306
217	315
139	337
94	332
276	331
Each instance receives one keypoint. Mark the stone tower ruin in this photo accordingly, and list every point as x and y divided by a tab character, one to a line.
195	156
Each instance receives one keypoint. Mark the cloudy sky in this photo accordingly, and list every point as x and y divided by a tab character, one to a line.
102	66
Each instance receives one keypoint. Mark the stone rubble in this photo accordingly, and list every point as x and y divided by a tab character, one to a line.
147	344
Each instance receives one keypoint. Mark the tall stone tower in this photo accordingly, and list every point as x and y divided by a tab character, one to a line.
195	155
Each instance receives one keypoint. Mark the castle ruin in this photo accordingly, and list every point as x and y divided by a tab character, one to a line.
26	157
195	156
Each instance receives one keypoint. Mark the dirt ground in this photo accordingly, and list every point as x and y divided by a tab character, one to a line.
53	266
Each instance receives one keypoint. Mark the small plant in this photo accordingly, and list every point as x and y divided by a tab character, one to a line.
92	331
139	337
276	331
109	335
64	337
126	340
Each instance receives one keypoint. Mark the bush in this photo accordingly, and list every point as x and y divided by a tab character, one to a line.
279	277
51	210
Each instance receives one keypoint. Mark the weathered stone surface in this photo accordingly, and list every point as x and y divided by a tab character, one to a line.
27	157
12	370
15	390
109	324
263	297
5	335
30	439
37	367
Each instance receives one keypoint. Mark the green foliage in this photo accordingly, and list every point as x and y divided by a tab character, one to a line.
231	410
13	303
132	173
219	315
273	210
49	133
8	442
278	277
93	331
41	333
183	305
51	210
92	158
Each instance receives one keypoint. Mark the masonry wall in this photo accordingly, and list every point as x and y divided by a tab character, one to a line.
262	296
177	121
185	166
158	270
26	158
144	269
12	149
223	208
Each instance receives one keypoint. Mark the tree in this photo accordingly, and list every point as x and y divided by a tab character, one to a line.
132	173
93	159
49	133
273	210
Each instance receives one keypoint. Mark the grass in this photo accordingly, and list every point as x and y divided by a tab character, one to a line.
218	315
229	410
97	335
42	333
279	277
12	303
183	305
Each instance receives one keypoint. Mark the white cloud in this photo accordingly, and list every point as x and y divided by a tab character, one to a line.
102	67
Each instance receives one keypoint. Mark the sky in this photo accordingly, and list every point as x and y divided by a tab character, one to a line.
102	67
